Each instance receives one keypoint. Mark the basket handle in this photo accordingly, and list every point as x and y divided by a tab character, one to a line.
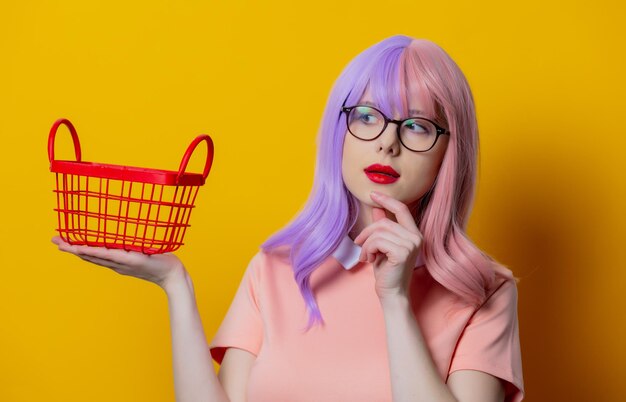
53	132
190	149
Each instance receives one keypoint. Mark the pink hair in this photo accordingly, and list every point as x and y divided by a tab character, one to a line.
451	257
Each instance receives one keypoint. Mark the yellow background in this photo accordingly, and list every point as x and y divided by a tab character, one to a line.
140	80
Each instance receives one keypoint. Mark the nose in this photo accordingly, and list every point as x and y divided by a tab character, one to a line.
388	139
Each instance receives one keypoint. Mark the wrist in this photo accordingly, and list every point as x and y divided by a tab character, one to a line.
177	277
395	301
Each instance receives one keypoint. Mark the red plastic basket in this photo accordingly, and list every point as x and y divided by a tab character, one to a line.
124	207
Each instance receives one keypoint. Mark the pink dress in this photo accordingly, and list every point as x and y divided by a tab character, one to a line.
346	359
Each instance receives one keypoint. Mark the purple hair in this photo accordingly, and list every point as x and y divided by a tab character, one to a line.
388	69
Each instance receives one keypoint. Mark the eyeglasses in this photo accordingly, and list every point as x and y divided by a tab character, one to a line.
367	123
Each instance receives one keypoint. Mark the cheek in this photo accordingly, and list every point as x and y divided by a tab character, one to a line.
431	166
344	160
347	159
422	176
351	162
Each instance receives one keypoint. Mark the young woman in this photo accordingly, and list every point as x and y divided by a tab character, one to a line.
373	292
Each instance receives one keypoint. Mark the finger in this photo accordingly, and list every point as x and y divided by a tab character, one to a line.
58	240
118	256
100	261
398	208
388	243
389	226
378	214
394	253
392	238
74	248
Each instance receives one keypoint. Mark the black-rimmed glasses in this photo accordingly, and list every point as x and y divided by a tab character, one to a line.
417	134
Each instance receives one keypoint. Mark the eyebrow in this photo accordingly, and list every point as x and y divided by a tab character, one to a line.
411	111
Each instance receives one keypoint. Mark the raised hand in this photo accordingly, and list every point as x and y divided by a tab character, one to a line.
156	268
393	247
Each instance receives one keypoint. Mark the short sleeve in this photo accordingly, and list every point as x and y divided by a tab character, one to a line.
490	341
242	326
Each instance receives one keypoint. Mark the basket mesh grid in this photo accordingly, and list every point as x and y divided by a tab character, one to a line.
147	217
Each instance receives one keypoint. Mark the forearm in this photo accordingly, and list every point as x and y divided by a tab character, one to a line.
194	377
414	376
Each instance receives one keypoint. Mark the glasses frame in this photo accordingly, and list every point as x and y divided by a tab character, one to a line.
440	130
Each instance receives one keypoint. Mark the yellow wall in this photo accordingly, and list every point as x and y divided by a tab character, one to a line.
141	79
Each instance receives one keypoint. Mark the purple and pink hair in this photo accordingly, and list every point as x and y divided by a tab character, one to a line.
388	69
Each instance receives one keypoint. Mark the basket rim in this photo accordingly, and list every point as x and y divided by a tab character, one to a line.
126	173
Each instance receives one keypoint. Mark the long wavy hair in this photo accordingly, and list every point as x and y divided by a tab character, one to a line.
389	68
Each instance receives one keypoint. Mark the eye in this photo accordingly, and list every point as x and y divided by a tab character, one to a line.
367	118
366	115
417	127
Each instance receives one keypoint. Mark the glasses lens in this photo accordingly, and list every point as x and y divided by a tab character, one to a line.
418	134
365	122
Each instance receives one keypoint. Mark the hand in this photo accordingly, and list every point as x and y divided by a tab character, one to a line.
156	268
392	247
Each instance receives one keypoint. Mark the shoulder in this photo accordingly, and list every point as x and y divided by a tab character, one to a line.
267	264
269	258
504	285
501	298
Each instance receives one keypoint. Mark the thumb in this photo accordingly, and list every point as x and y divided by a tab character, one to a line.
378	214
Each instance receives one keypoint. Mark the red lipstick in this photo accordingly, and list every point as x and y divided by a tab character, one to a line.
381	174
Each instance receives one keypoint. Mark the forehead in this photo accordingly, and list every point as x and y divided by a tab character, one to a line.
418	103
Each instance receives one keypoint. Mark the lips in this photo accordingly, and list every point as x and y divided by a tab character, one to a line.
381	174
384	169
